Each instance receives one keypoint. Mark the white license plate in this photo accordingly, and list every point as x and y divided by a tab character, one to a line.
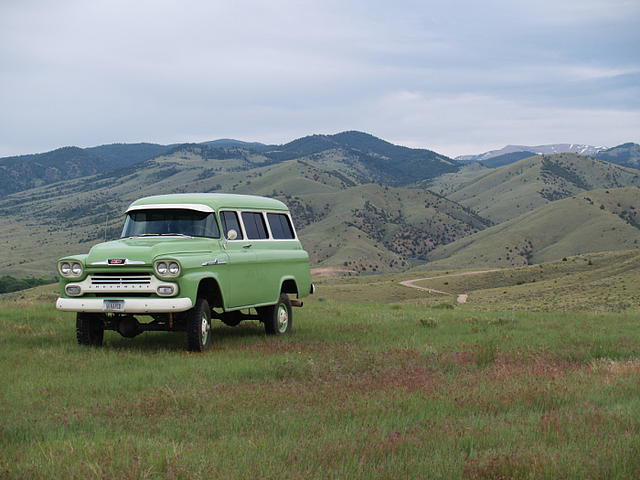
114	305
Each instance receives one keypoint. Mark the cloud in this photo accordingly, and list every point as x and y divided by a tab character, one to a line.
491	122
85	73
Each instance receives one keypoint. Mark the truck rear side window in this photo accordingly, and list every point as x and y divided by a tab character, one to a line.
254	226
280	226
230	222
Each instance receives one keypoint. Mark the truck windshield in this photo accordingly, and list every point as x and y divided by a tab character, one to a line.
169	222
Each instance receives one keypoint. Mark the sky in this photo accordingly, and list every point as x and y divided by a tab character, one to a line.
458	77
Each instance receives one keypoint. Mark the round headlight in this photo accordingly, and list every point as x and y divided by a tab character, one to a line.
161	268
65	268
174	268
76	269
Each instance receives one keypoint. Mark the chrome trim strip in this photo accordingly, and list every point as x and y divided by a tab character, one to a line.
131	305
214	262
183	206
126	262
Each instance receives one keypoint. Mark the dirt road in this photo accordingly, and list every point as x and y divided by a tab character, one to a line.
462	298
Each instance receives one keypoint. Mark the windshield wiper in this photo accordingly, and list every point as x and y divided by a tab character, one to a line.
175	235
144	235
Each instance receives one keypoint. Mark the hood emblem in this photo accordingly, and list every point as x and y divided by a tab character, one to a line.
119	261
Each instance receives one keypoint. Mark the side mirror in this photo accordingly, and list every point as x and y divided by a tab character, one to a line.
232	234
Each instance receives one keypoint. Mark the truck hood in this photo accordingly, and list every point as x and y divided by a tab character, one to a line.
148	249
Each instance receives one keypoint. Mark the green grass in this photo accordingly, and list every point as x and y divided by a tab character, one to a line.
359	390
598	282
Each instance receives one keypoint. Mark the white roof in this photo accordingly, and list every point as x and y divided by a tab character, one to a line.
165	206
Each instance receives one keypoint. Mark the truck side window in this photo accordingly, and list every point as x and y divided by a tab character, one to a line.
280	226
254	225
230	222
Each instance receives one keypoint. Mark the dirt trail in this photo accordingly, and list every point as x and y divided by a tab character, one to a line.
329	271
462	298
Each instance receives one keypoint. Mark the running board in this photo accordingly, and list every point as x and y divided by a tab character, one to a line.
295	302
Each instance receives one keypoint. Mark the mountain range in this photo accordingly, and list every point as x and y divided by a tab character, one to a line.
538	150
361	204
385	162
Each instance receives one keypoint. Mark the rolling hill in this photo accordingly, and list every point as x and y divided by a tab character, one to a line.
29	171
506	159
627	155
341	216
360	204
594	221
503	193
385	163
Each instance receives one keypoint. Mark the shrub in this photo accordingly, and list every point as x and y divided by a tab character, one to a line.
429	322
443	306
486	353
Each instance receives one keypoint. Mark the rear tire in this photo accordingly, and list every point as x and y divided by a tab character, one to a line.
90	328
199	327
278	318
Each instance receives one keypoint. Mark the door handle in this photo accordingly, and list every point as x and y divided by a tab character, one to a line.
248	245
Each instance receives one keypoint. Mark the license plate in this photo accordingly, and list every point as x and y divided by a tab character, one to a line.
114	305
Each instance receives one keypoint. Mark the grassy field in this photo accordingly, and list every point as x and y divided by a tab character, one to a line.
359	390
596	282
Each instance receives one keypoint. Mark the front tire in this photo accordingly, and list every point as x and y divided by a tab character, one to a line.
199	327
278	318
90	329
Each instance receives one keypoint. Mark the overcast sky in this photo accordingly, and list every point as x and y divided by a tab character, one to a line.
458	77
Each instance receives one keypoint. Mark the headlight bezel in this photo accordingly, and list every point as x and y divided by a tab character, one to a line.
167	264
70	268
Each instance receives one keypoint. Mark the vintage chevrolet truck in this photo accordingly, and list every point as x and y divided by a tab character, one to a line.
184	259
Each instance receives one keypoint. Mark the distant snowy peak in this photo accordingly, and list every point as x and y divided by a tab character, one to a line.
539	149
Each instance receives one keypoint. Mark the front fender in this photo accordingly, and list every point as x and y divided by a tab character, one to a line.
190	281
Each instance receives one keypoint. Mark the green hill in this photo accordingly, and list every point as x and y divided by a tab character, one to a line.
29	171
340	216
380	161
448	183
593	221
506	192
506	159
385	163
627	155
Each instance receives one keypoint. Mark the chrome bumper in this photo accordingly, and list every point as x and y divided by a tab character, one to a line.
131	305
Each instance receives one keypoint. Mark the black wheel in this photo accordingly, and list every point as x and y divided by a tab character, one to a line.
278	318
199	327
232	319
90	328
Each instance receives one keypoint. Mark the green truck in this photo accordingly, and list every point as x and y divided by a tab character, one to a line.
184	259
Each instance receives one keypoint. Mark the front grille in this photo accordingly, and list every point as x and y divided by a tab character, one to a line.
122	284
121	279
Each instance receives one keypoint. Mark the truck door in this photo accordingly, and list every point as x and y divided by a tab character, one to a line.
239	277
